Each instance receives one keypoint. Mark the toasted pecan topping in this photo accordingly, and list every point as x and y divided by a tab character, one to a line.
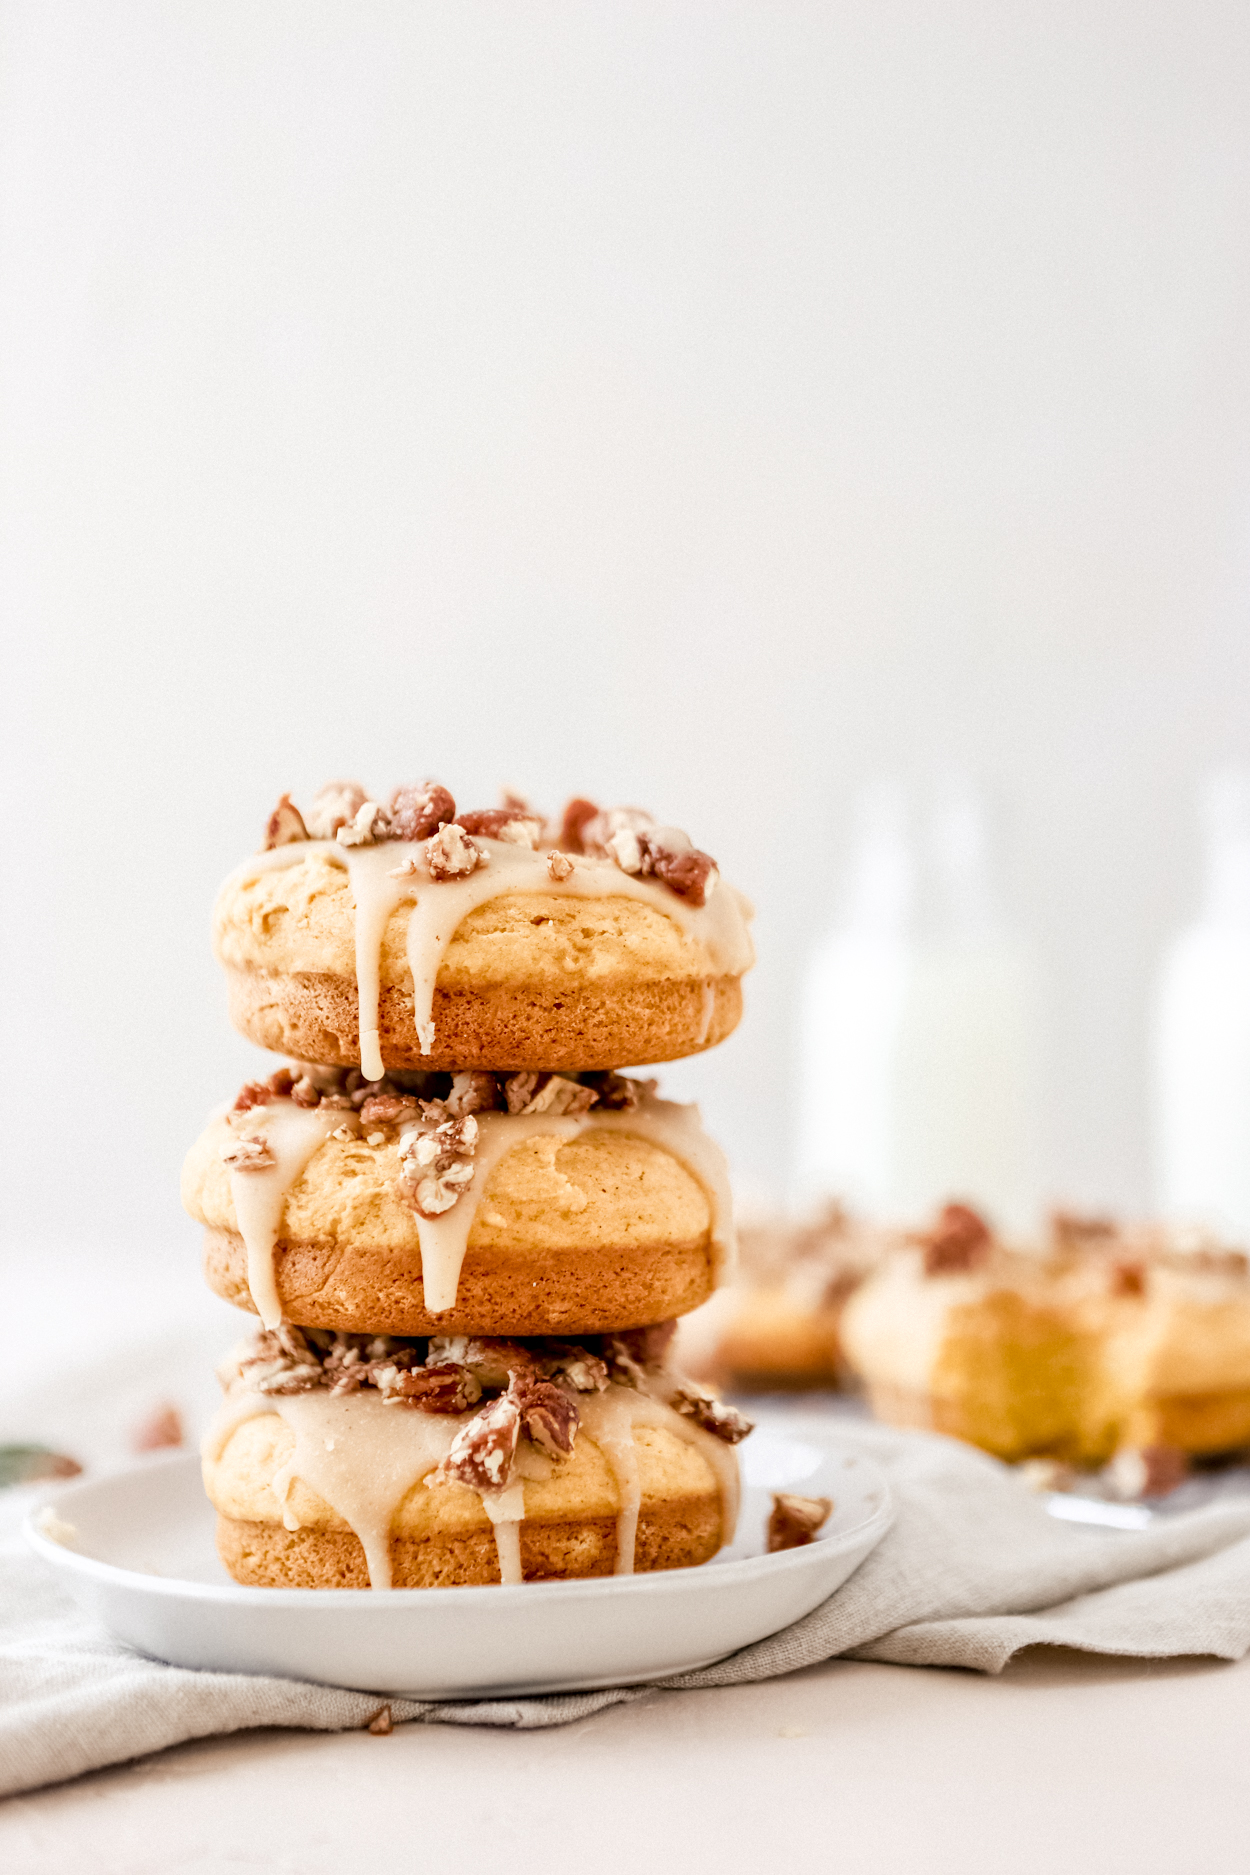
333	806
503	823
416	813
286	825
795	1520
960	1240
452	854
368	825
437	1166
629	836
576	814
161	1429
481	1454
250	1154
712	1414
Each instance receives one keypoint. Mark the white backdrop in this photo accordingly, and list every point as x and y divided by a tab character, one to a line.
708	405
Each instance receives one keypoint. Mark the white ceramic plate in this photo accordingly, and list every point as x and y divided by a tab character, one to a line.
144	1560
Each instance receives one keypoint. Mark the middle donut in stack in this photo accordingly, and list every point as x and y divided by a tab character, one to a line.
467	1275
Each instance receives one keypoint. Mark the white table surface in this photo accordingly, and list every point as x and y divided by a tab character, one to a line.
1064	1764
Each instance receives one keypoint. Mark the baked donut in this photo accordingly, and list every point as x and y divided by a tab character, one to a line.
413	937
1197	1393
520	1204
1024	1355
777	1325
344	1462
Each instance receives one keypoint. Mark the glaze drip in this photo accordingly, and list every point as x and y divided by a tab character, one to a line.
293	1135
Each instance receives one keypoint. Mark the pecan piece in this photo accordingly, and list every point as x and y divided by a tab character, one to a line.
795	1520
383	1109
445	1388
960	1240
435	1166
161	1428
368	825
252	1094
251	1154
1147	1471
305	1094
710	1413
576	814
559	865
473	1091
481	1454
503	823
548	1414
416	813
692	875
451	854
285	825
333	806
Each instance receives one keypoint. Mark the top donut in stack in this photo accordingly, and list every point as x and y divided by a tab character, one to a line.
417	936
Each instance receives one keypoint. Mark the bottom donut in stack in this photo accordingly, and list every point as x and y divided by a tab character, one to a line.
354	1461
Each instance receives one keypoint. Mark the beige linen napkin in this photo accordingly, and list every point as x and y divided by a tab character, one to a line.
973	1570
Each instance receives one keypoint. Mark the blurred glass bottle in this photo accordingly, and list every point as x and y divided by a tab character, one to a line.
1201	1031
919	1030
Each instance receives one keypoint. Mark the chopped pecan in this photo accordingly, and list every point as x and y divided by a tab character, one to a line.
161	1428
333	806
252	1094
559	865
281	1083
368	825
710	1413
482	1452
383	1109
626	848
795	1520
285	826
597	830
451	854
381	1725
617	1093
446	1388
584	1371
692	875
1147	1471
416	813
960	1240
636	1348
576	814
251	1154
437	1165
503	823
519	1090
304	1094
473	1091
548	1414
557	1094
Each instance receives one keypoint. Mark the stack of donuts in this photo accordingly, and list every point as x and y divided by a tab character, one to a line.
467	1235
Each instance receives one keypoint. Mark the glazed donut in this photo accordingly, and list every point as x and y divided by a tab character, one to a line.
567	1463
1197	1394
477	949
1021	1354
569	1217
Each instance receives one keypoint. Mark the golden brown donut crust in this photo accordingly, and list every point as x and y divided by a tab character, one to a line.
572	1027
514	1290
676	1534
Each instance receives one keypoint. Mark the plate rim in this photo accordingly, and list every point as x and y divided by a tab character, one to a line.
691	1579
